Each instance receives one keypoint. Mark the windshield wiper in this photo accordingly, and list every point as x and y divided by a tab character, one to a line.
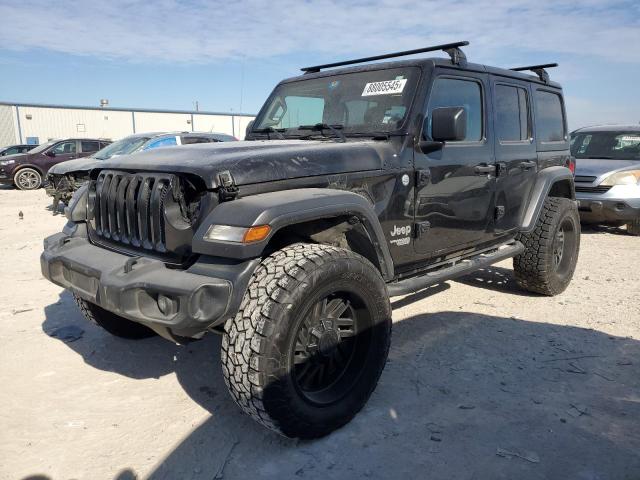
599	157
320	127
269	130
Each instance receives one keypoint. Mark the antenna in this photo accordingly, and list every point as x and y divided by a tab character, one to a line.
452	49
538	70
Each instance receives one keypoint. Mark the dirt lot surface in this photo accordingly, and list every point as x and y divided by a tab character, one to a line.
483	382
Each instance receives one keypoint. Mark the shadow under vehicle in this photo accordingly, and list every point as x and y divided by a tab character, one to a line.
354	185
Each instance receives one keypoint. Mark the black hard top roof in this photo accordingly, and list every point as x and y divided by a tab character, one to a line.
425	63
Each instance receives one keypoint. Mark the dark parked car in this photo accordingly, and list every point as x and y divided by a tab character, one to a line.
14	149
608	175
27	170
355	185
64	178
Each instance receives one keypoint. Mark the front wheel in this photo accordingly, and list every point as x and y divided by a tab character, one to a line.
27	179
310	340
551	250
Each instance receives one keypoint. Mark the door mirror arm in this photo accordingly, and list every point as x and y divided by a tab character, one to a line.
429	146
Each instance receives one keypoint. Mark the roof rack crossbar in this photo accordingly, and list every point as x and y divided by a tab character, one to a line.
538	70
453	49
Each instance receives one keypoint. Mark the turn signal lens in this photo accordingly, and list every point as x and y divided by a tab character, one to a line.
256	234
227	233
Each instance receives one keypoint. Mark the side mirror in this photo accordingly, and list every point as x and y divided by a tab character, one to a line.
50	153
249	128
449	124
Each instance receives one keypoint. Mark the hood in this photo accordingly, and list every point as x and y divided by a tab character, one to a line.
76	165
594	167
17	157
259	161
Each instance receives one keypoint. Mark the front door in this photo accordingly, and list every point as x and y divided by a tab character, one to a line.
515	149
60	152
455	185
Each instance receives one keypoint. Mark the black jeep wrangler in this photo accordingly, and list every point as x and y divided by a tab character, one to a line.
354	185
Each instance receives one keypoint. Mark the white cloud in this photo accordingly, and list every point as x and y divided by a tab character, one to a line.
207	31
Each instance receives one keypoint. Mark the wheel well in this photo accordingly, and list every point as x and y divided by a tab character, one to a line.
32	167
563	189
343	231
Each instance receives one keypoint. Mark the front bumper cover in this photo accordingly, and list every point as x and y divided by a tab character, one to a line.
607	210
132	286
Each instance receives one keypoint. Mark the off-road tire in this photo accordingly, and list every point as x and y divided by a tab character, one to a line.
633	227
256	361
535	270
112	323
27	179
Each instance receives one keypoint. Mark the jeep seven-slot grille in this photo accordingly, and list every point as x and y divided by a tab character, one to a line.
129	208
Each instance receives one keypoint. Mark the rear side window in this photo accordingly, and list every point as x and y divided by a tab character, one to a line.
452	92
550	120
512	114
90	146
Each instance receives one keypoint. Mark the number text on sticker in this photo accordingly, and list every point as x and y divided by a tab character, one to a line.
387	87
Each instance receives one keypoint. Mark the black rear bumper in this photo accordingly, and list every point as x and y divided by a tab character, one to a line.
175	303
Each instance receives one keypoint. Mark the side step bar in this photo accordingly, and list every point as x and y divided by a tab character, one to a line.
458	269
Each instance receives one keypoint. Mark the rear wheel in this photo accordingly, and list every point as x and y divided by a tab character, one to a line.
310	340
112	323
551	249
27	179
633	227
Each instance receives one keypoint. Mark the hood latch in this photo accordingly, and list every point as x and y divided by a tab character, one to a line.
228	187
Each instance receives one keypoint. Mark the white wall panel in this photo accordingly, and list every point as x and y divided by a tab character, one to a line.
8	128
212	123
240	125
47	123
162	122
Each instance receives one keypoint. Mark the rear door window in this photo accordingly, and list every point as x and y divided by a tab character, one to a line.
550	121
89	146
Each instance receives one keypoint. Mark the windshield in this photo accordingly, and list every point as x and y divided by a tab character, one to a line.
43	147
606	145
375	101
121	147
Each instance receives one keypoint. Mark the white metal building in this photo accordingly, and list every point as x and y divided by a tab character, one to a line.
37	123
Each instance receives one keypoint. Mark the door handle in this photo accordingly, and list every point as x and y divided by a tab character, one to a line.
484	169
528	165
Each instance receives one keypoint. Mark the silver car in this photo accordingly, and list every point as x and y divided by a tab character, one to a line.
608	175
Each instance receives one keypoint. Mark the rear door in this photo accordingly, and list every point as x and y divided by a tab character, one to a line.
515	151
455	185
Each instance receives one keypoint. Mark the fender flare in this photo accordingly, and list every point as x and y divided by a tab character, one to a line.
545	181
289	207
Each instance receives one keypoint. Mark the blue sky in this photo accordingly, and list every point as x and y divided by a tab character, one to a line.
229	55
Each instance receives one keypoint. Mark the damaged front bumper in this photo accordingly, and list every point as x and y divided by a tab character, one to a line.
175	303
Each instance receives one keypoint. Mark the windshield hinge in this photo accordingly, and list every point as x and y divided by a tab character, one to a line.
228	188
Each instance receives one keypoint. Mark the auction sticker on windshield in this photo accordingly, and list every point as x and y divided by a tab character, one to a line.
387	87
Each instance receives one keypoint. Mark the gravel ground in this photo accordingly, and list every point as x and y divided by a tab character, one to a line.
483	382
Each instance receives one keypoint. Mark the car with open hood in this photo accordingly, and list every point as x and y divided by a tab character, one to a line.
65	178
608	175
